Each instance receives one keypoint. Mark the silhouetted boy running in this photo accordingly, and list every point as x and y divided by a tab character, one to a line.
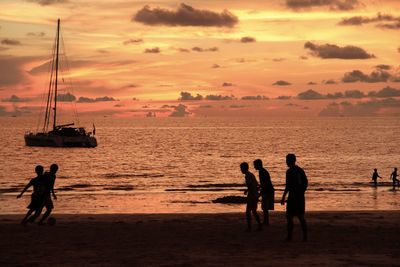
393	176
375	176
49	179
266	190
37	197
296	186
252	195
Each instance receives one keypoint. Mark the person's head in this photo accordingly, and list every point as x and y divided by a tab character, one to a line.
39	169
53	168
290	159
258	164
244	167
375	170
395	169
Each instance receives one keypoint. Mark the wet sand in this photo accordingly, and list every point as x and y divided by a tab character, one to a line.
335	239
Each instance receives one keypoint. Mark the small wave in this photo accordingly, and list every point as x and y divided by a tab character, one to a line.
139	175
215	185
120	188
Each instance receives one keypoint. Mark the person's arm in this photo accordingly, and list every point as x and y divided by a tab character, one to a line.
285	191
24	190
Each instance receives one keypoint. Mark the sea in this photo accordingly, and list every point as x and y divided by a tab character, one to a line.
181	165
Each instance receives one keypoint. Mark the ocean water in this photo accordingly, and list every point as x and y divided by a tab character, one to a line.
167	165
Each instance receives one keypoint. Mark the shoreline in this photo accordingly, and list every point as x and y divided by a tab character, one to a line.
345	238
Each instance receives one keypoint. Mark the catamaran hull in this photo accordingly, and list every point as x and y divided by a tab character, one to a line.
60	141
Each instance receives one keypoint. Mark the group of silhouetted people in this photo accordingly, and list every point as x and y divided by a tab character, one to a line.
296	185
393	177
43	189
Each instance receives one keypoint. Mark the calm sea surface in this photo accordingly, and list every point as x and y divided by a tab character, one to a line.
166	165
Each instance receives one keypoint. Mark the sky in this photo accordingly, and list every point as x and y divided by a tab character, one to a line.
203	57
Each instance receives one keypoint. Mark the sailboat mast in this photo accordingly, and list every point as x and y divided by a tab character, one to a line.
56	81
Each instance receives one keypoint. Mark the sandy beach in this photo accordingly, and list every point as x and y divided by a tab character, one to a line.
335	239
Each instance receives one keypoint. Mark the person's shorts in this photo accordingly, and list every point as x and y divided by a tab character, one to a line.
251	204
48	202
268	201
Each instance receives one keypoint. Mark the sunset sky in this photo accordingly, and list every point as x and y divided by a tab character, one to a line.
144	54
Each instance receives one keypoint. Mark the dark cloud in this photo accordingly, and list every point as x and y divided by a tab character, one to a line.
36	34
278	59
183	50
237	106
255	97
383	67
335	95
281	83
185	15
205	106
45	67
154	50
220	97
283	97
303	57
311	83
330	81
331	4
185	96
353	94
333	51
367	108
247	39
215	66
373	77
132	41
11	70
67	97
14	99
384	21
10	42
310	95
84	99
227	84
48	2
199	49
179	111
385	92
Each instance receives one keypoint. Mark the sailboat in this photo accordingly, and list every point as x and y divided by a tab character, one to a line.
63	135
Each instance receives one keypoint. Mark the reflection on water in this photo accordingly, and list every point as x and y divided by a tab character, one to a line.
180	165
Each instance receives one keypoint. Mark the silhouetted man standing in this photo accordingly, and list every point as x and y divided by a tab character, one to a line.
296	185
393	176
266	190
252	195
375	176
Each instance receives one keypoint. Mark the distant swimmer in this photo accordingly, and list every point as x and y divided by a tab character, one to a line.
296	186
37	197
393	176
375	177
267	190
252	196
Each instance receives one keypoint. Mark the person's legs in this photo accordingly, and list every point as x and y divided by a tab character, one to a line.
248	216
289	219
255	213
266	217
303	227
25	219
49	208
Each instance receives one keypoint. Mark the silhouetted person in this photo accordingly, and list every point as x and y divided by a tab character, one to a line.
49	181
296	186
252	195
375	177
393	176
266	190
37	197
